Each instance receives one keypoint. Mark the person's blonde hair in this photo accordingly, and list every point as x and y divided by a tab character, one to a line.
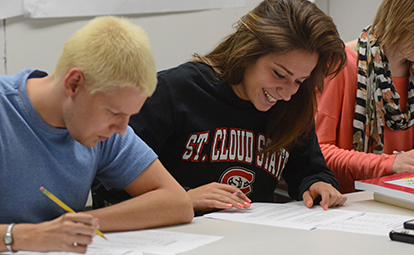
394	26
110	52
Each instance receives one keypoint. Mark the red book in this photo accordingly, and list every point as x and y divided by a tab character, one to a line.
397	189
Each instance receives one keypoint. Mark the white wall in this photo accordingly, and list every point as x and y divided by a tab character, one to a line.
174	37
350	16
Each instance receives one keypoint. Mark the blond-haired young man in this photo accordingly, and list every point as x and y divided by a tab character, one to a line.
63	130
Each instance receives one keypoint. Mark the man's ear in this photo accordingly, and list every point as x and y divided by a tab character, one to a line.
73	81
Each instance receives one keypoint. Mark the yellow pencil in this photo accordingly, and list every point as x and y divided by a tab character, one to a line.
64	206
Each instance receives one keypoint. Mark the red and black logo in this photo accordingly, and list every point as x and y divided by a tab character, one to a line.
240	177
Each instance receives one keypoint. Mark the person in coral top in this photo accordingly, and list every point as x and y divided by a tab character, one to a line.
365	114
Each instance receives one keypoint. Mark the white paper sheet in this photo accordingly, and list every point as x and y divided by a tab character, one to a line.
155	241
91	251
137	242
301	217
369	223
283	215
73	8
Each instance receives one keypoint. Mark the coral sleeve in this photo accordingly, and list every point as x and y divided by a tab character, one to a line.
335	131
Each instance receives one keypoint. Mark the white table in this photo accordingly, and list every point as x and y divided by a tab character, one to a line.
243	238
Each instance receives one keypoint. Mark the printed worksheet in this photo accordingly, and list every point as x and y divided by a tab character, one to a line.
301	217
154	241
91	251
369	223
137	242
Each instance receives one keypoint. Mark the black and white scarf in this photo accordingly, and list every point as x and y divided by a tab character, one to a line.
377	101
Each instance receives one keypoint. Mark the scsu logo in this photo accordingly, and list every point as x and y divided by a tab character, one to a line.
240	177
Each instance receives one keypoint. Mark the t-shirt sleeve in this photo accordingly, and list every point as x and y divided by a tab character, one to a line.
122	159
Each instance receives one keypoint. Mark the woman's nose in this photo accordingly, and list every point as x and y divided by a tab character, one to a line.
288	91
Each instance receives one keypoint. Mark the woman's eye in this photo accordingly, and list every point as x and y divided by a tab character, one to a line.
279	75
299	82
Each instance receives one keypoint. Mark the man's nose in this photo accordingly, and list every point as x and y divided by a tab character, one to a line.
120	126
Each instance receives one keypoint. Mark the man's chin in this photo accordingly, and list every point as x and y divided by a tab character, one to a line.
89	144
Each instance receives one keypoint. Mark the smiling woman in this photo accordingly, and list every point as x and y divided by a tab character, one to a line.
275	77
241	117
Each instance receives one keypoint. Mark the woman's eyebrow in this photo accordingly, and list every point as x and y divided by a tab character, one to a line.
284	68
289	72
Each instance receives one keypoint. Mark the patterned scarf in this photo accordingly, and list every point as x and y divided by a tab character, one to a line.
377	101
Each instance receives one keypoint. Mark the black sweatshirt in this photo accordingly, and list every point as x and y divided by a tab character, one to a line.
203	133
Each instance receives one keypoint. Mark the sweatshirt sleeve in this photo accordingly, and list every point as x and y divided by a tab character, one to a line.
306	165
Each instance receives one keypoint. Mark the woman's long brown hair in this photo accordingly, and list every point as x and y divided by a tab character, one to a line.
280	26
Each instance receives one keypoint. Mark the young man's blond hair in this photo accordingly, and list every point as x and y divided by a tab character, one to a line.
111	52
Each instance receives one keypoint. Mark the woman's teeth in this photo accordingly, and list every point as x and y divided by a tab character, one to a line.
269	97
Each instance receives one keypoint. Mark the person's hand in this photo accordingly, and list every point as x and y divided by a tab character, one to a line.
71	232
404	162
218	196
330	196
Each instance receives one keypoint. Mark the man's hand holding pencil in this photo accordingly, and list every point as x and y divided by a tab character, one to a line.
71	232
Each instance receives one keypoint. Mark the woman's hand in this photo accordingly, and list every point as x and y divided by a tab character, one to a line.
71	232
404	162
218	196
330	196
